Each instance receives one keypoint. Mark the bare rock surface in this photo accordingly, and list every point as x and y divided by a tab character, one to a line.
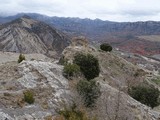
25	35
44	79
116	104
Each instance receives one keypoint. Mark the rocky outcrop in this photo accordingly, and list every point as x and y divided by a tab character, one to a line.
115	104
25	35
51	90
115	77
45	80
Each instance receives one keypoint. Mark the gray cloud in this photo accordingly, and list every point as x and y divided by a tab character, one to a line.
115	10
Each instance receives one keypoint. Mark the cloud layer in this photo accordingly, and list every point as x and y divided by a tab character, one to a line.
114	10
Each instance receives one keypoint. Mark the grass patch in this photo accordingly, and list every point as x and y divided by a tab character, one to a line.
29	97
156	81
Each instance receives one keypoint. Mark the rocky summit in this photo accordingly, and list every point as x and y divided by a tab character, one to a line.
25	35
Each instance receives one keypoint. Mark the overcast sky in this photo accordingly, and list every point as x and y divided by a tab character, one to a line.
114	10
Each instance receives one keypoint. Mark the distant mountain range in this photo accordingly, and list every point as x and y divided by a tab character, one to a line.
26	35
129	36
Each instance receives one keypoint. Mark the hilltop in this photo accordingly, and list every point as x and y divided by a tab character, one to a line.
44	77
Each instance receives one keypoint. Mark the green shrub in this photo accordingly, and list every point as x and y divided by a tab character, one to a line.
89	65
74	114
63	61
146	94
136	74
89	91
28	97
71	70
156	80
106	47
21	58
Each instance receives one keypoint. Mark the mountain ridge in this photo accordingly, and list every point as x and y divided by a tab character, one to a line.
26	35
122	35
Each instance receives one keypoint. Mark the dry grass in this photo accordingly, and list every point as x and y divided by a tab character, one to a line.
49	118
44	105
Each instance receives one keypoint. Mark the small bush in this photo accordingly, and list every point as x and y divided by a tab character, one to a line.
106	47
73	114
21	58
63	61
71	70
136	74
156	80
49	117
146	94
32	59
89	90
28	97
89	65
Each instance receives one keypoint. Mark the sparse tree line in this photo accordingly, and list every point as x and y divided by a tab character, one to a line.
86	66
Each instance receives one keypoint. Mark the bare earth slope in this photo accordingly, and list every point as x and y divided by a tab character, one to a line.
26	35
